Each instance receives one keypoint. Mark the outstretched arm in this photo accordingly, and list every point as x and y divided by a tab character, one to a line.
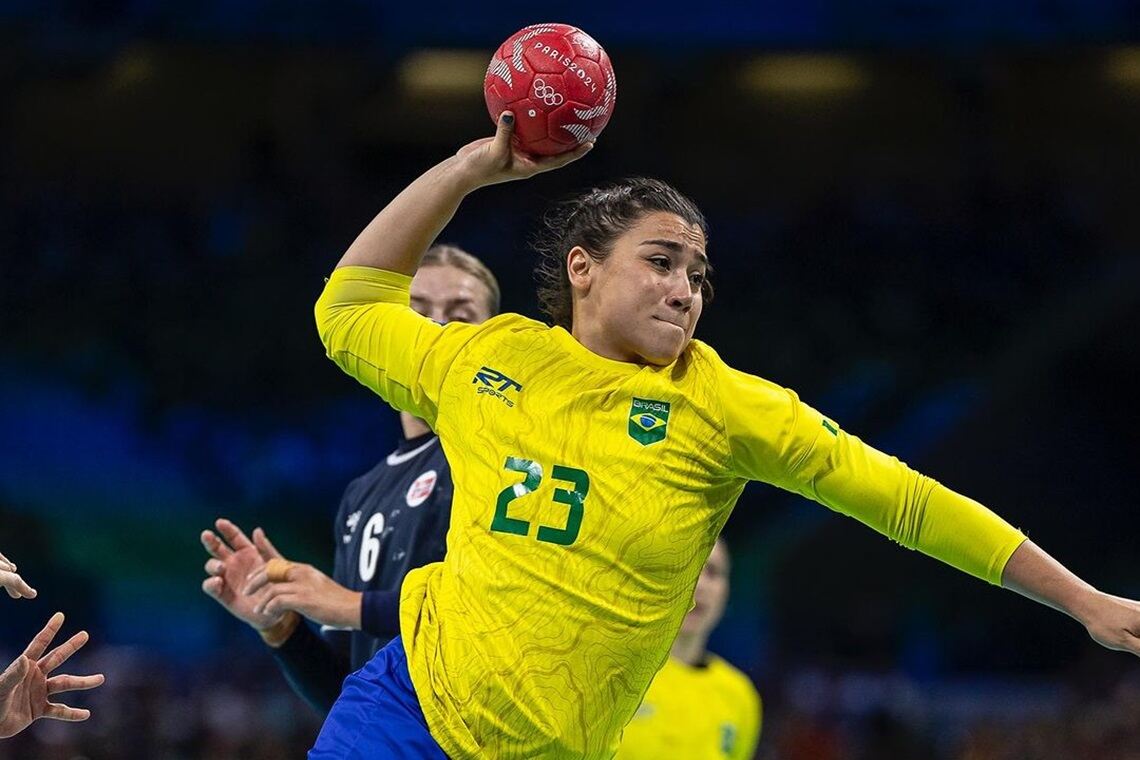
1112	621
778	439
401	233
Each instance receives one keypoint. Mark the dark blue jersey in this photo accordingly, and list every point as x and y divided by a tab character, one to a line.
392	519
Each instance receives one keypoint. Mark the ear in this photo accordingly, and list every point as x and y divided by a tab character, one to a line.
579	267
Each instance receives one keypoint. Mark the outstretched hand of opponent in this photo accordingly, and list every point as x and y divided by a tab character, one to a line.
11	582
26	685
233	557
491	160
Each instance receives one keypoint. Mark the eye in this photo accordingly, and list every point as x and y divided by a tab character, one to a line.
697	278
661	262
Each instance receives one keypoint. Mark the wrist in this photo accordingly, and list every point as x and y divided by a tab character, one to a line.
1084	605
278	633
459	177
352	611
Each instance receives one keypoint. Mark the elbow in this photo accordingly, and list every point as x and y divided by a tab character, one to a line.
328	315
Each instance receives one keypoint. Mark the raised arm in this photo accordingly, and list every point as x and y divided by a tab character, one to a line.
401	233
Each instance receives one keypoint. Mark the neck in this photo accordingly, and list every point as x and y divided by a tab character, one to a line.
413	426
595	339
689	648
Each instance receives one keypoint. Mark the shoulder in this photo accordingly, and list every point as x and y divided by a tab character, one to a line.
505	331
704	358
741	390
732	679
502	326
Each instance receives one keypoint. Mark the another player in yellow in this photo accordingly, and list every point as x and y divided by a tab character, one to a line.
594	464
698	707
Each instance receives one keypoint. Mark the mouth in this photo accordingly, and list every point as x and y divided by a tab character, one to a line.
670	323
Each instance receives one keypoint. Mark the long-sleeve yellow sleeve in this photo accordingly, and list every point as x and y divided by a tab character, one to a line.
369	331
777	439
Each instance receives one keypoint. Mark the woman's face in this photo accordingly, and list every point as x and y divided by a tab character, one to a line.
449	294
641	303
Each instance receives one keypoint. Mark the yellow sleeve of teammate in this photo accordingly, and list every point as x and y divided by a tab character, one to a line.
371	332
776	438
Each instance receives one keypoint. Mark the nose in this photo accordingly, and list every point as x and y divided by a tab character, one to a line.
681	293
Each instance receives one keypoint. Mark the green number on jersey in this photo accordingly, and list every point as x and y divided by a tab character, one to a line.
574	498
533	471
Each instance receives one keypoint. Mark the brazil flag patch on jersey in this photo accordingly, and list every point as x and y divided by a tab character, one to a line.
648	420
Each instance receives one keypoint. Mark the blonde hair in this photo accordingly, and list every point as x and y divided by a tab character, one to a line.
446	255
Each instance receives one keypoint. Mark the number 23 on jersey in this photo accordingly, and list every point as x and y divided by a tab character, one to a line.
573	497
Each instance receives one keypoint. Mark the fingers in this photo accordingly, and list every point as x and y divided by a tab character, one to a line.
215	546
7	564
232	533
277	570
61	683
40	643
13	674
63	712
504	129
215	567
281	598
562	159
16	586
265	546
257	581
214	587
61	653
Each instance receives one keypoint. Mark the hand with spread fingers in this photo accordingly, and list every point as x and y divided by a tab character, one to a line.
11	582
26	684
280	586
233	558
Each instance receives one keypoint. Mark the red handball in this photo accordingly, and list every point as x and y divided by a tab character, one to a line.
559	84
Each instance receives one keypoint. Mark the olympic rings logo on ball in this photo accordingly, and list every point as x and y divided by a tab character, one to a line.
549	95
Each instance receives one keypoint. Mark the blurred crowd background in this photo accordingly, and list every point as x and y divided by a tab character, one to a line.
923	219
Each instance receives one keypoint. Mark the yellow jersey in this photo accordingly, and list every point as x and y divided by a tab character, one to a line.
707	712
587	496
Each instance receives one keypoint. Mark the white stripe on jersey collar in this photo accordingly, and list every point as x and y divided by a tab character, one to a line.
395	458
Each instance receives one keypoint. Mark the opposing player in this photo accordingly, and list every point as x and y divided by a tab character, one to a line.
698	705
392	519
594	464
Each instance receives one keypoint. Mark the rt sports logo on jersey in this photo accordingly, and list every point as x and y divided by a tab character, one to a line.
648	421
495	383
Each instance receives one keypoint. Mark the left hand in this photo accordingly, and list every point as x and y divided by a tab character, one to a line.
491	160
308	592
1114	622
11	582
25	685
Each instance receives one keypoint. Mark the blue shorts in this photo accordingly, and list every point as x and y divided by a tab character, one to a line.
377	714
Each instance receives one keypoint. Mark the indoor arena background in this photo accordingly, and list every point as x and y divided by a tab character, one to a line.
923	218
